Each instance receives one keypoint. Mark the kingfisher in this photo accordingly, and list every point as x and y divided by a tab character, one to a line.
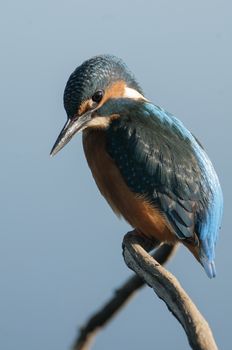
149	167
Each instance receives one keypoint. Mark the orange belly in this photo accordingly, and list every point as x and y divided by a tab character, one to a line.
140	214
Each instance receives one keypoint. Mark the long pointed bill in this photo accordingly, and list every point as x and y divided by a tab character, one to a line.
71	127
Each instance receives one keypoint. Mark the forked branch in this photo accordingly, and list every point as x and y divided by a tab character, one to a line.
122	295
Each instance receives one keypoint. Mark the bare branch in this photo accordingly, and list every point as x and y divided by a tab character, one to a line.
170	291
115	304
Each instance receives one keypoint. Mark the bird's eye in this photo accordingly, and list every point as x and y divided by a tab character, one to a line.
97	96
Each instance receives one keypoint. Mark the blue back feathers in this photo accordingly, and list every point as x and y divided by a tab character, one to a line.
161	160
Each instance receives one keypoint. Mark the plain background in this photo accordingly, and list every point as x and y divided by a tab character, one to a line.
60	243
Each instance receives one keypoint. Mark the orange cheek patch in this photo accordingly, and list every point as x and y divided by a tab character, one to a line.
115	90
85	106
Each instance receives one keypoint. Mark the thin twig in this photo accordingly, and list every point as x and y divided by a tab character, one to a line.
115	304
167	288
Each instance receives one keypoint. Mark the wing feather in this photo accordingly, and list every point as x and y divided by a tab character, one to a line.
157	160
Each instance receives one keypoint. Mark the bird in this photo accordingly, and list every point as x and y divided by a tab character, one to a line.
150	168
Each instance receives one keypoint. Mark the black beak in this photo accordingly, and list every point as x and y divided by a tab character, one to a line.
71	127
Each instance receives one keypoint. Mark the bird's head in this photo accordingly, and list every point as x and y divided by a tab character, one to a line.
89	87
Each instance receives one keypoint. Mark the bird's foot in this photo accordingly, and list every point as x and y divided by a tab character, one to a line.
147	243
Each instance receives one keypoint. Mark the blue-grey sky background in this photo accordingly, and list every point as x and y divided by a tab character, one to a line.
60	243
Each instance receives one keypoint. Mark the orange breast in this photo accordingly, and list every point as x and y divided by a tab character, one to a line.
135	209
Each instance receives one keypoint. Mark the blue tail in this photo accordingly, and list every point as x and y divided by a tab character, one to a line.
209	266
